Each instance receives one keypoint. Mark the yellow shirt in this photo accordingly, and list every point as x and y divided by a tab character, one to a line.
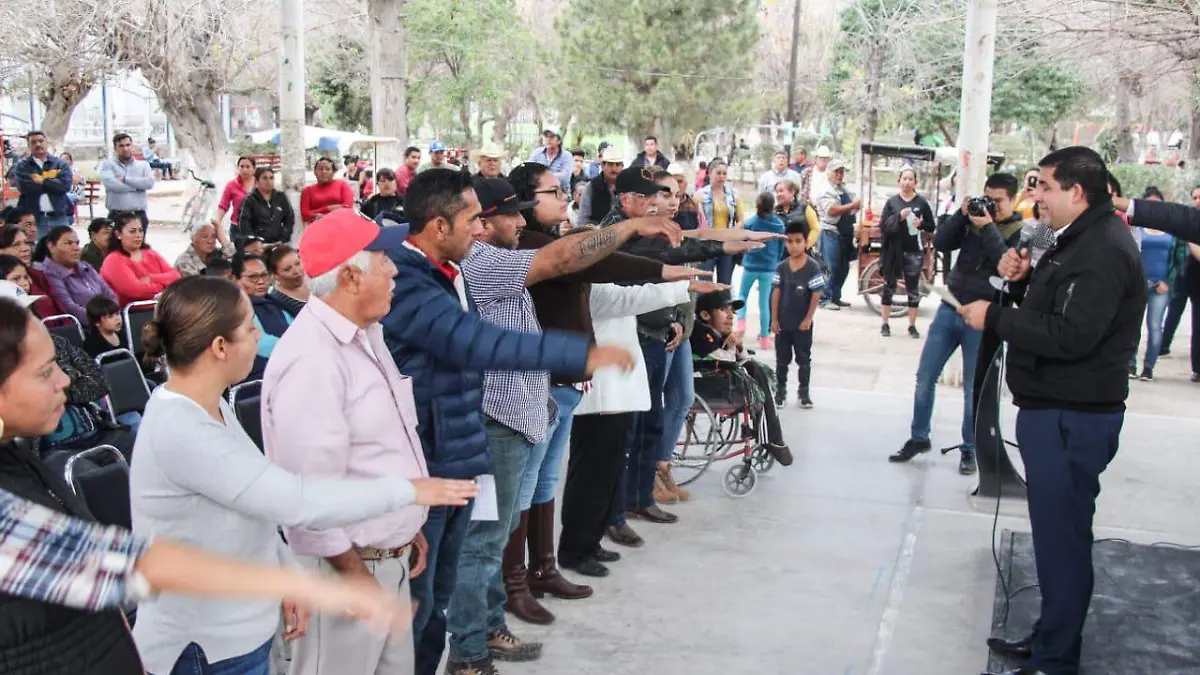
721	212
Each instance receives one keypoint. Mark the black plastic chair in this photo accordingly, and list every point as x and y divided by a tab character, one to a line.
246	400
66	326
100	476
136	315
126	384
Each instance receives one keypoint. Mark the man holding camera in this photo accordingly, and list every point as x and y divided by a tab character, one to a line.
1069	345
981	231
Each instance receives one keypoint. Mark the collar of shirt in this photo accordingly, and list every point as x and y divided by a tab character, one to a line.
448	268
1059	232
343	329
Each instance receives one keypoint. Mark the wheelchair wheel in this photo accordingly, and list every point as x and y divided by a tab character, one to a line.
762	460
701	442
870	286
739	480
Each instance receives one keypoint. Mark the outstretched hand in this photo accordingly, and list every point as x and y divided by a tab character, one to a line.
443	492
681	273
736	247
658	226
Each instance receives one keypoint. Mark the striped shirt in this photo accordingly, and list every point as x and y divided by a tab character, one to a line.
60	559
520	400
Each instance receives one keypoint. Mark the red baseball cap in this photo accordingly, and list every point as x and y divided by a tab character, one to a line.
337	237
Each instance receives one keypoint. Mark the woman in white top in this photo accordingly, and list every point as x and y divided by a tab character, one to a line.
199	477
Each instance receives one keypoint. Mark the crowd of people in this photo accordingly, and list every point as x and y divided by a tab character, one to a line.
428	355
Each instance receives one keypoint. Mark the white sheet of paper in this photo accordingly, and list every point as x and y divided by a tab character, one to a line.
485	501
946	295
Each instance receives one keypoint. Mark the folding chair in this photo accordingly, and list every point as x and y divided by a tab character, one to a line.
136	316
66	326
100	476
246	400
126	384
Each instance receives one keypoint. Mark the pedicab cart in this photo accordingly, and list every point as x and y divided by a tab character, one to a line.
931	165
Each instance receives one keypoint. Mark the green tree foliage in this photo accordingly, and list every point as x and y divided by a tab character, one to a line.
338	78
635	64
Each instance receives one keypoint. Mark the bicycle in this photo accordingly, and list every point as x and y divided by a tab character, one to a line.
195	211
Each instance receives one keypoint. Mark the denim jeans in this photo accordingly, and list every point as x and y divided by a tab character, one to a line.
1156	309
648	425
763	279
477	603
194	662
830	246
47	222
678	394
947	332
445	529
545	460
1175	307
721	267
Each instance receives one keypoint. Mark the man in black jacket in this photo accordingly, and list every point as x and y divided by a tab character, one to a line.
1069	346
980	242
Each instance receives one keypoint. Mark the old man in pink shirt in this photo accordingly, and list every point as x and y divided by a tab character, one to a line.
335	405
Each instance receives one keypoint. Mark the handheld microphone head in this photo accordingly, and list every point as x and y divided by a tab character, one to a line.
1028	231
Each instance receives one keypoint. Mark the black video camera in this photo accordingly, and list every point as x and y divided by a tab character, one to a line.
981	206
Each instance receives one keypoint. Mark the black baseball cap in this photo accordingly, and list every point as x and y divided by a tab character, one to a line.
497	196
638	180
716	300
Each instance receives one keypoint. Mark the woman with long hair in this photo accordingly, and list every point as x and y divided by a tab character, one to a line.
231	201
199	478
325	196
722	209
902	254
72	281
285	267
14	241
133	269
60	611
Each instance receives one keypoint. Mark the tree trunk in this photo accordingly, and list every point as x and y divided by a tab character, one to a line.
500	124
947	134
197	124
65	89
873	78
1193	151
388	58
464	118
1121	119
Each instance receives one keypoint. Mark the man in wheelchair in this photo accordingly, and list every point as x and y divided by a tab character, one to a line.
732	372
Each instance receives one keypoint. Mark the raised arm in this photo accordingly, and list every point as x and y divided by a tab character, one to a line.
570	254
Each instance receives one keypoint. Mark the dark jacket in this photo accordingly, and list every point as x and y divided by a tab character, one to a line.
378	204
688	215
979	252
445	349
271	221
273	316
1174	219
659	160
56	188
1070	342
895	240
656	325
600	199
564	302
92	255
37	638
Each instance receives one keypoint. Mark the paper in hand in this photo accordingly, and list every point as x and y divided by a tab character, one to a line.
947	296
485	502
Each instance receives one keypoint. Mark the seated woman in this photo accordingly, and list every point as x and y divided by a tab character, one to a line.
203	250
17	272
132	268
714	342
289	290
270	316
72	281
198	477
14	241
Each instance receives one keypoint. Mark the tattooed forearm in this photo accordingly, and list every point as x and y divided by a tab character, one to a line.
576	252
596	245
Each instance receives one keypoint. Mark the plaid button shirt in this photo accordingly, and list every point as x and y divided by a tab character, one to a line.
58	558
520	400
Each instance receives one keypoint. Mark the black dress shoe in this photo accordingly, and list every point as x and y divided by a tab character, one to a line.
1020	649
911	449
653	514
604	555
624	535
588	567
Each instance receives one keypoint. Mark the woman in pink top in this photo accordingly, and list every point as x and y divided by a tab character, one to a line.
327	195
132	268
231	199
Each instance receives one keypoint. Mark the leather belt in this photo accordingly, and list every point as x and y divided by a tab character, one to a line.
368	553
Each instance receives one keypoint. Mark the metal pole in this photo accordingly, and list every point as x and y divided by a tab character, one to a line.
792	67
291	101
976	107
104	114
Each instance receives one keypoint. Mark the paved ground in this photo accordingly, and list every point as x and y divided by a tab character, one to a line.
844	564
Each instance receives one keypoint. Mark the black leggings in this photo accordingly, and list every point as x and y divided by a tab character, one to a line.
913	262
1193	282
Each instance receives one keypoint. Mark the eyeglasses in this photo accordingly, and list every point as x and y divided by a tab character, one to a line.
256	277
557	192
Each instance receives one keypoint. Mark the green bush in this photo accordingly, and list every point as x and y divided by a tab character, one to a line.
1175	184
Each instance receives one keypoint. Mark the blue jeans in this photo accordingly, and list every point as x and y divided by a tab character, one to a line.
1156	309
1064	453
545	460
194	662
47	222
678	395
477	604
947	332
721	267
648	425
830	247
444	529
763	279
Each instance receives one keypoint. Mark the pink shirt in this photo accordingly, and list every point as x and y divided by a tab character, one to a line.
334	405
231	199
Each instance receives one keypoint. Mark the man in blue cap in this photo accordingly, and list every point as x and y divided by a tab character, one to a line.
437	157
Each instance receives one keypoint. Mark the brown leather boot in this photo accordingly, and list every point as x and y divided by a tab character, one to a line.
521	602
544	576
661	494
672	487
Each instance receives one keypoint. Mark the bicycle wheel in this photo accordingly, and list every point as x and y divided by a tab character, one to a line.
187	220
870	287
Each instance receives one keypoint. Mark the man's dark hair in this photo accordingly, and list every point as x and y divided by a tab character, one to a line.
262	171
98	224
34	132
239	263
1003	181
765	204
778	153
386	174
247	241
120	137
99	307
1077	165
797	227
411	149
332	164
651	138
14	214
217	265
433	193
1153	191
577	153
1114	185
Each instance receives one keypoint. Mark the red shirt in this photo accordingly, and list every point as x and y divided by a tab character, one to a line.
315	198
125	275
404	176
231	199
38	285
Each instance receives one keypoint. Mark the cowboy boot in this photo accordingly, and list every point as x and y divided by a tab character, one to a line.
521	602
669	483
544	576
661	493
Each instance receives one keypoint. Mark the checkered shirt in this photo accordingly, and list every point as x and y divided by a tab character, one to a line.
57	558
520	400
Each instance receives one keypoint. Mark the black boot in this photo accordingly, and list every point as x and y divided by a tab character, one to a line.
804	375
911	449
966	463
